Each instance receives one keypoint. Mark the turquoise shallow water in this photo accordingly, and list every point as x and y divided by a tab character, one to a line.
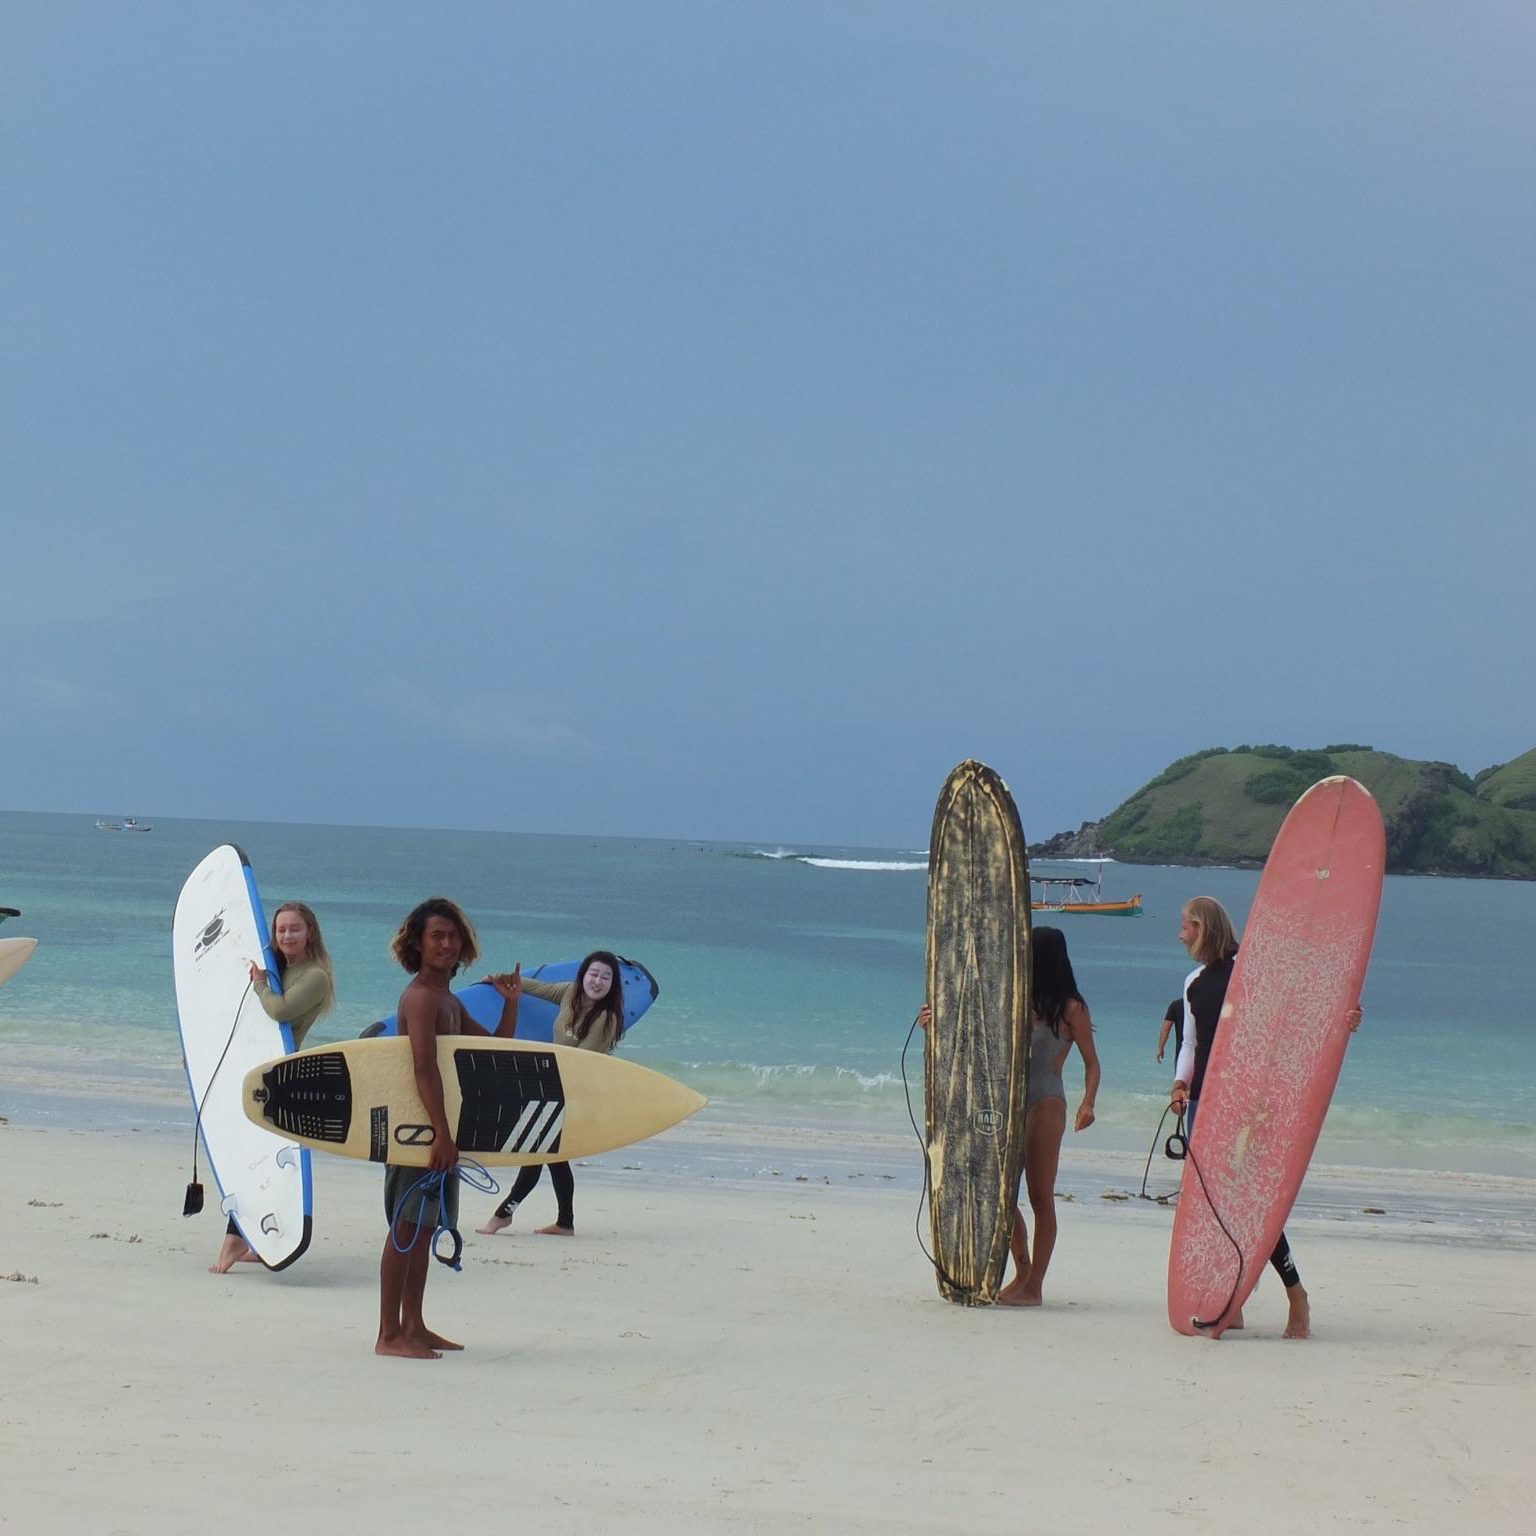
787	986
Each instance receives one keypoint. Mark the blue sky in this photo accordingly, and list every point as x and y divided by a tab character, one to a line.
701	420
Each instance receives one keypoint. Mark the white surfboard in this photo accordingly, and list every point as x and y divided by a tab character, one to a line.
14	953
219	929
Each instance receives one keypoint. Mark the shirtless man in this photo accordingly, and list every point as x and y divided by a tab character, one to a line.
433	943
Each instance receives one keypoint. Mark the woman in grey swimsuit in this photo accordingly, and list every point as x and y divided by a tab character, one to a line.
1060	1020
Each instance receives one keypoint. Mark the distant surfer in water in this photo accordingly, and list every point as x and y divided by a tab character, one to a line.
591	1018
1059	1020
308	989
433	943
1206	931
1173	1024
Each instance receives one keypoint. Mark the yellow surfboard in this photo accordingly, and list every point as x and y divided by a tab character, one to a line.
507	1101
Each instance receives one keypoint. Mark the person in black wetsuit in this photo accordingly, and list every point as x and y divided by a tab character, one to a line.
1206	931
1173	1024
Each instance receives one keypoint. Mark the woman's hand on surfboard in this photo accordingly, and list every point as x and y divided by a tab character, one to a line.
924	1016
1353	1018
258	972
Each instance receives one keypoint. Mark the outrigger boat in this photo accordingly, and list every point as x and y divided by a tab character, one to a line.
1059	893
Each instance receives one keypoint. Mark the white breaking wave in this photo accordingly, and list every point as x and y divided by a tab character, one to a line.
1043	860
861	863
821	861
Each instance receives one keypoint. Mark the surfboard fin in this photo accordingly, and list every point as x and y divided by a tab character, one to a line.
194	1199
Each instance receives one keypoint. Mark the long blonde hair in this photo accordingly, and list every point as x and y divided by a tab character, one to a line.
1217	938
316	950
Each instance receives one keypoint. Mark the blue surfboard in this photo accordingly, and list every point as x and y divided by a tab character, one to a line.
535	1016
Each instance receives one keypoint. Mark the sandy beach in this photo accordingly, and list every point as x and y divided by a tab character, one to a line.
735	1355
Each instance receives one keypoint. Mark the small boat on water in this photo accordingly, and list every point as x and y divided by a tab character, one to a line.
127	824
1082	894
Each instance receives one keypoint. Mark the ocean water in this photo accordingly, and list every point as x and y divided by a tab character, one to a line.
789	975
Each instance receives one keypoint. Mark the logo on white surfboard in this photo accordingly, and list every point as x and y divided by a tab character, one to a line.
213	930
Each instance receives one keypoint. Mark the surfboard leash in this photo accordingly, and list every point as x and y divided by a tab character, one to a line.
1182	1137
922	1141
192	1202
433	1184
1168	1152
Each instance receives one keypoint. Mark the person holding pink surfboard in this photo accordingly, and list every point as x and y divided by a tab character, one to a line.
1207	932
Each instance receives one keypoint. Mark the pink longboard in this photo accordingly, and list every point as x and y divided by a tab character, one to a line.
1277	1054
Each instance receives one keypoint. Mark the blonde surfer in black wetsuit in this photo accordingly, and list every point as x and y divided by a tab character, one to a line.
1206	931
1060	1020
308	990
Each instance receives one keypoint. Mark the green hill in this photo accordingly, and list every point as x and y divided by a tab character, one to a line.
1224	806
1513	785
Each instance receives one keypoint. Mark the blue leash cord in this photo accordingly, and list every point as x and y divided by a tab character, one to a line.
433	1184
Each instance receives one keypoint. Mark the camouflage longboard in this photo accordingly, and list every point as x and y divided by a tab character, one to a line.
978	1043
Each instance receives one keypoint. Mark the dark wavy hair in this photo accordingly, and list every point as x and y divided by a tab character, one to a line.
612	1005
406	944
1051	982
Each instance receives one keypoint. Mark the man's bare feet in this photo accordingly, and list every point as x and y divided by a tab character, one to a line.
436	1340
494	1224
233	1250
405	1349
1299	1325
555	1231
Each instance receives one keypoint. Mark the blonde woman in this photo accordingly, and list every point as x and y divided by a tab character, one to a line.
308	989
1206	931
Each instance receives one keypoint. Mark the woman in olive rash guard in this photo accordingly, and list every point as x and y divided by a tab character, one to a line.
1206	931
308	990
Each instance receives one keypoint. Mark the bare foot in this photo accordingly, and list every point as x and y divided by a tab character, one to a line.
1018	1294
435	1340
233	1250
1299	1325
1028	1297
1216	1329
555	1231
405	1349
495	1224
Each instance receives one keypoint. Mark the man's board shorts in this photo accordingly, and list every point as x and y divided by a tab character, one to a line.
422	1206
